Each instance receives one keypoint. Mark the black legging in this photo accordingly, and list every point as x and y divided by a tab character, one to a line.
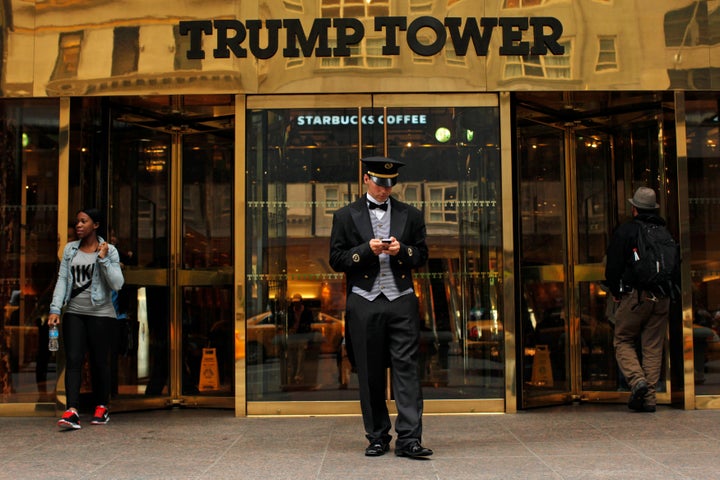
86	333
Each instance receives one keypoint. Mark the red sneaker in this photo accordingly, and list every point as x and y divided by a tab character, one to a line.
69	420
101	416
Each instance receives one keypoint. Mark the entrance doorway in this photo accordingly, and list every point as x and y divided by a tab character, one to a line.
171	217
303	164
578	159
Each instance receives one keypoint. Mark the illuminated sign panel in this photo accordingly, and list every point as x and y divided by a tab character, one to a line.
325	120
238	38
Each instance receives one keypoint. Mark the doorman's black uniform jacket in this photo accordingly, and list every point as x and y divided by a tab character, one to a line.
350	251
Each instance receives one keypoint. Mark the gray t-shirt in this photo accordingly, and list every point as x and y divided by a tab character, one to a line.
82	268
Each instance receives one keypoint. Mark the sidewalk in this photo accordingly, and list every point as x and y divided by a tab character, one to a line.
570	442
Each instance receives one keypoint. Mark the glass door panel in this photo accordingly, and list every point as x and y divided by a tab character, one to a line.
172	220
205	275
704	199
139	222
545	363
593	206
452	175
298	175
29	243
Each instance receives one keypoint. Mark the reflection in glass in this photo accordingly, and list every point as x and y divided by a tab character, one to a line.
208	331
545	360
208	322
139	181
566	323
302	166
28	247
704	198
599	368
207	201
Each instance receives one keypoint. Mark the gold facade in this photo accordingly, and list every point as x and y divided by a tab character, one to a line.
225	198
87	47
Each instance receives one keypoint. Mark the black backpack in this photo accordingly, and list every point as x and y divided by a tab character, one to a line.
655	259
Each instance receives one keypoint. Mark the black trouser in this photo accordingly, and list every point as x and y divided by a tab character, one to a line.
83	333
387	334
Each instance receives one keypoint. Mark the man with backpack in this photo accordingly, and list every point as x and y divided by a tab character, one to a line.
641	273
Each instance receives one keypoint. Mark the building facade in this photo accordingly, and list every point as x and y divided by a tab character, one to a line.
219	138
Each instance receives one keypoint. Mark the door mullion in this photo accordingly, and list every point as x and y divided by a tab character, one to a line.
175	242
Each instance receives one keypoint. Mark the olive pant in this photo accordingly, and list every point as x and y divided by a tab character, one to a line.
646	320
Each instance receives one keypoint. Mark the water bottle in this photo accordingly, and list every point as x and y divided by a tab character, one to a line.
54	334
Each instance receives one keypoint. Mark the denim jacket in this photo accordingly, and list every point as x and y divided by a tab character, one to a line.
107	276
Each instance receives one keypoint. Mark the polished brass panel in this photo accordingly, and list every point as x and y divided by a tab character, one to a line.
27	409
239	258
589	272
545	273
353	408
63	171
204	277
175	241
145	276
304	408
707	402
432	100
307	101
508	267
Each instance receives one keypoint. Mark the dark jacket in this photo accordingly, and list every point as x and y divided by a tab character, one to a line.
618	266
350	251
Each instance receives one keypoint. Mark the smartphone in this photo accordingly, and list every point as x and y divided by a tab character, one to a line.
386	240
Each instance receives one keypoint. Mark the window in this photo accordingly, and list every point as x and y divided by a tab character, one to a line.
420	6
366	54
443	202
68	55
607	58
451	58
354	8
335	198
522	3
126	50
546	66
293	5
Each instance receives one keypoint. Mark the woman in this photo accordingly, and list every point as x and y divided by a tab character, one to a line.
88	274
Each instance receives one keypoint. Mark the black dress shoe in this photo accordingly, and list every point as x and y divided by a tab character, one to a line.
377	449
413	450
637	396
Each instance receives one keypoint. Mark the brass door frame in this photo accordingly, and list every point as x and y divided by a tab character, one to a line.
384	101
571	273
175	278
574	273
180	277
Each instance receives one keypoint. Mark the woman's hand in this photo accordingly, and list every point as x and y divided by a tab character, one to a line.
53	319
103	250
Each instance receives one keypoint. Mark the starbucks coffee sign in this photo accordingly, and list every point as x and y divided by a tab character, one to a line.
290	38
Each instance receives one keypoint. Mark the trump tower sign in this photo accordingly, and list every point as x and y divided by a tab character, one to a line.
262	41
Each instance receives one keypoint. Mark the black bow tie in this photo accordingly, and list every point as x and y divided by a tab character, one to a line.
381	206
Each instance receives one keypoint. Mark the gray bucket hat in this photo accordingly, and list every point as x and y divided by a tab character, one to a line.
644	199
